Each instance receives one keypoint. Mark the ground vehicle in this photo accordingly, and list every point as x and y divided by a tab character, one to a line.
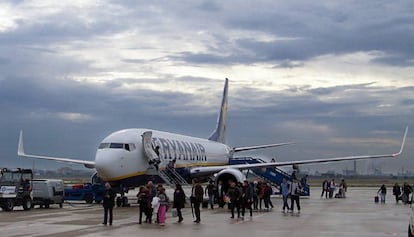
87	192
47	191
15	188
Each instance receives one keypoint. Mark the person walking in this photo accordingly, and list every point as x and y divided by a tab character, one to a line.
382	192
325	187
396	191
144	203
260	194
234	193
247	198
295	191
332	187
108	203
284	189
255	195
152	193
407	190
179	201
196	199
220	194
164	200
210	191
267	196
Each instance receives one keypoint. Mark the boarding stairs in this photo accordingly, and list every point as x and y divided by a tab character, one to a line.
271	175
171	177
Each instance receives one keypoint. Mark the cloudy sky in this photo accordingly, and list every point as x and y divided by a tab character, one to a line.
335	77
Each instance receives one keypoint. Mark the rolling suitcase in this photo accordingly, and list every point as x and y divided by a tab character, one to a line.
376	199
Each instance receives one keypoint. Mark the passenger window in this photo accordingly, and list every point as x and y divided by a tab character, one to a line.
127	147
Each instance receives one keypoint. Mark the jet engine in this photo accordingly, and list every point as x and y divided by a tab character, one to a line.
229	174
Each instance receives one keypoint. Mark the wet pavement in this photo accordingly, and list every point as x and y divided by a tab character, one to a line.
356	215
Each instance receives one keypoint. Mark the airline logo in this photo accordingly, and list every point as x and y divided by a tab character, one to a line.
179	150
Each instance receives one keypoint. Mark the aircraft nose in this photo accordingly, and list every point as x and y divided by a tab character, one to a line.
106	163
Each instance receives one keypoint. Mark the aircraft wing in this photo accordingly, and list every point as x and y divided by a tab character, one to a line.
246	148
213	169
20	152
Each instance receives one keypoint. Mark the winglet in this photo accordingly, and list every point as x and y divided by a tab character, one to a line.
402	144
20	149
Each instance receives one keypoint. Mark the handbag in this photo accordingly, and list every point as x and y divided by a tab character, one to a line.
174	212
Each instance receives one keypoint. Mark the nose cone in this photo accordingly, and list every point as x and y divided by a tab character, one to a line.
108	163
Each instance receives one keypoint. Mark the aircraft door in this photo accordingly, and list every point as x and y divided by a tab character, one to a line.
147	143
149	151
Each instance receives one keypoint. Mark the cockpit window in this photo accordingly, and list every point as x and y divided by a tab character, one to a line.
125	146
104	145
116	145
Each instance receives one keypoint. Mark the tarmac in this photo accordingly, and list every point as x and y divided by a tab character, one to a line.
355	215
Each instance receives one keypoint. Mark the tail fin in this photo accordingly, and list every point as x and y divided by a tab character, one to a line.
219	134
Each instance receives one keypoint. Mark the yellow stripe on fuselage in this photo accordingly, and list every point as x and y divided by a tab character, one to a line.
139	173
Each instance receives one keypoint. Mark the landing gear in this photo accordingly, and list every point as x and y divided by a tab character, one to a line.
122	201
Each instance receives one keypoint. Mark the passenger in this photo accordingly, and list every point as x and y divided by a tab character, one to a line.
284	189
159	189
144	203
153	193
295	191
344	187
396	191
196	199
108	203
210	191
407	190
234	193
267	196
332	187
293	175
382	192
325	188
255	195
304	180
247	198
179	201
156	161
164	201
220	194
260	193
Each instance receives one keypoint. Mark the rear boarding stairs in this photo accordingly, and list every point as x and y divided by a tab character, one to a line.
272	175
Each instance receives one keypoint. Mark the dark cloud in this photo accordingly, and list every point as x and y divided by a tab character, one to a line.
47	62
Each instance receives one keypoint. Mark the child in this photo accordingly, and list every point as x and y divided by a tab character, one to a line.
163	206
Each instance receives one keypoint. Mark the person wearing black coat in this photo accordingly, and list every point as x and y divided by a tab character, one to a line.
197	194
247	198
179	201
108	203
234	193
396	191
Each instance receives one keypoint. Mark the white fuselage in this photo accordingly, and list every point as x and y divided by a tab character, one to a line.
121	155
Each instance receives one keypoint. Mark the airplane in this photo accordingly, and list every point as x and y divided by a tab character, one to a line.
127	157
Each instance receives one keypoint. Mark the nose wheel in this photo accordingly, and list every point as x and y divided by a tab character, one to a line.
122	201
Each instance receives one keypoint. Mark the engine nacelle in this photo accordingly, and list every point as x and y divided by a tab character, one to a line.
229	174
